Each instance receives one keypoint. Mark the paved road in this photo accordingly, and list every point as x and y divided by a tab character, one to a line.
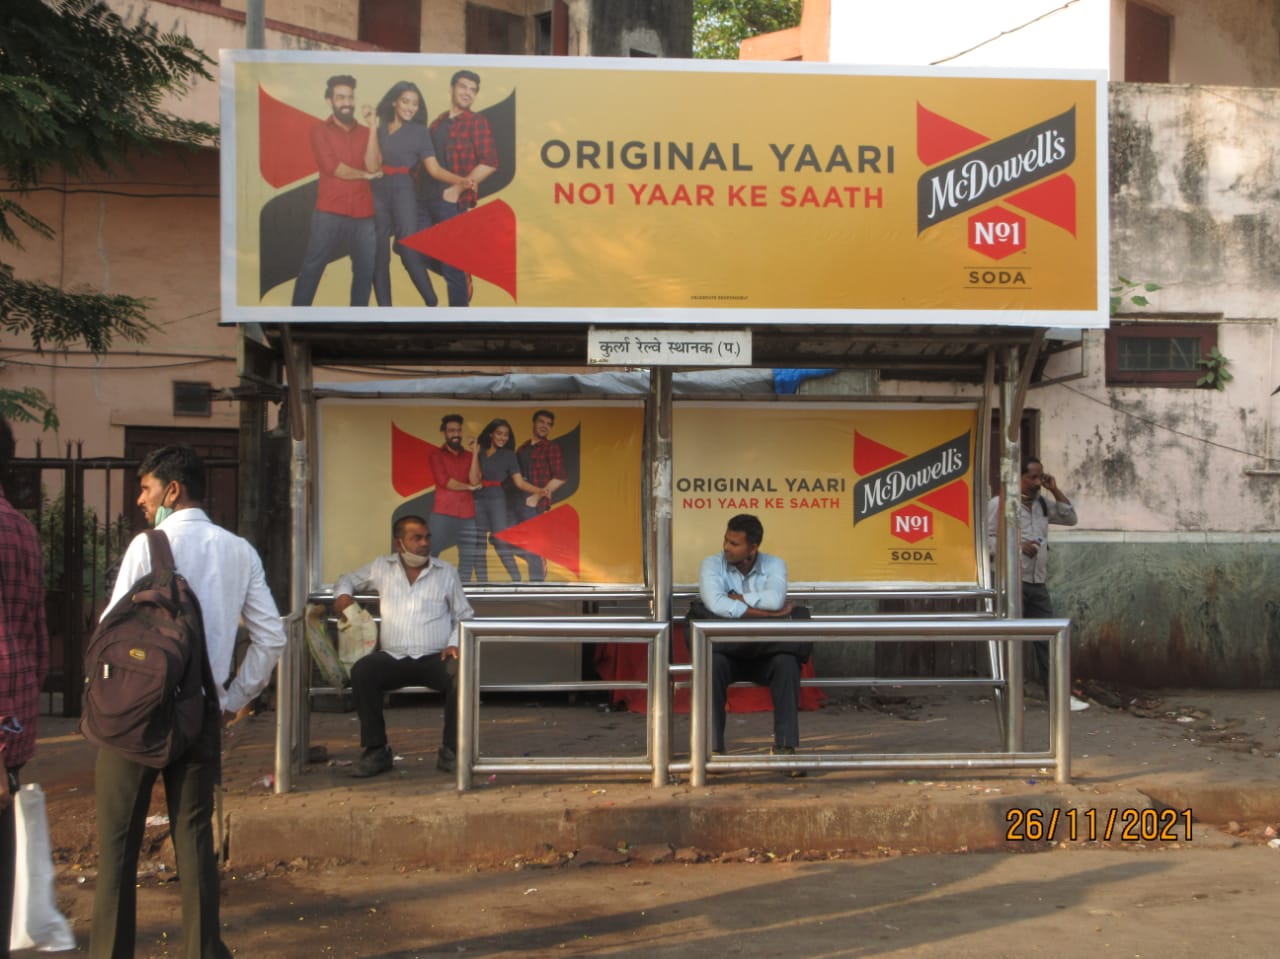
1170	903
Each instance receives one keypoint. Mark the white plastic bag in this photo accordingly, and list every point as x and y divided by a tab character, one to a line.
37	924
357	635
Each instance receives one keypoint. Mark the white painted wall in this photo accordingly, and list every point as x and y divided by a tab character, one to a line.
1007	33
1230	42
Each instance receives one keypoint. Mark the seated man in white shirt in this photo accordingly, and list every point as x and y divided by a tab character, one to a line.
422	601
742	582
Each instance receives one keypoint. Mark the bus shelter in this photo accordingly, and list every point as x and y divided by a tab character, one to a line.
935	224
626	552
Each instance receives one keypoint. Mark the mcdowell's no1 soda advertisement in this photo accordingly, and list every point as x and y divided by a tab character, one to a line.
846	495
388	188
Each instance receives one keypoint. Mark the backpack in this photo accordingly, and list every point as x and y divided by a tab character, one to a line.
149	689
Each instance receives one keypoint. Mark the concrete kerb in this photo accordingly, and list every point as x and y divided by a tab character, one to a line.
1124	764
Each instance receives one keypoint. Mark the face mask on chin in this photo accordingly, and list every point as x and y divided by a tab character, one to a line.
163	512
414	560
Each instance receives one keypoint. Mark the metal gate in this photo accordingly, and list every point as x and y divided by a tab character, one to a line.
83	508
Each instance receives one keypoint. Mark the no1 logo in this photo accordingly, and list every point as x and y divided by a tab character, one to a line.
911	523
997	233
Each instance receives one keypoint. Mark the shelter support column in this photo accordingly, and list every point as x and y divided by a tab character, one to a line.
293	704
658	554
1007	542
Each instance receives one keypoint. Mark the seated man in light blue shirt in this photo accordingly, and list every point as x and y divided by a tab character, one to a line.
421	600
740	581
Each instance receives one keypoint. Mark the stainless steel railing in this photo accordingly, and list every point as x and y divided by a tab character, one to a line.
657	761
472	634
703	633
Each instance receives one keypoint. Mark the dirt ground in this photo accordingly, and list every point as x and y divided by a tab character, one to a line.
1213	896
1173	904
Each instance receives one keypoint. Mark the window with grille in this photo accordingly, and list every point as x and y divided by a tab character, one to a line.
1158	354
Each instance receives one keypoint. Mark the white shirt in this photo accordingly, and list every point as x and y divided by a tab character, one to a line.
1033	524
765	587
226	575
418	618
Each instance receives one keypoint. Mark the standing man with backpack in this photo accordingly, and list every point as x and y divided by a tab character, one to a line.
226	575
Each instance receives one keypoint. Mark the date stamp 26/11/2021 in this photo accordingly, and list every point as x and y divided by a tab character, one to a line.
1128	824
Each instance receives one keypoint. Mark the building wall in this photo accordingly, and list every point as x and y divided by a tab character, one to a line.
116	234
1171	575
152	230
1229	42
655	28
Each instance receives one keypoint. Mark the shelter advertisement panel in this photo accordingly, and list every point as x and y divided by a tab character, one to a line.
552	190
846	495
381	460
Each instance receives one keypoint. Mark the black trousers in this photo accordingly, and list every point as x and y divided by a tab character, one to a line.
780	671
380	672
123	795
1036	604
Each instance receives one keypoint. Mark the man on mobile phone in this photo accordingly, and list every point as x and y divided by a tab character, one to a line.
1036	513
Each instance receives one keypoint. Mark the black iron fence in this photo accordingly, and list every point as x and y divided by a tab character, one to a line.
85	511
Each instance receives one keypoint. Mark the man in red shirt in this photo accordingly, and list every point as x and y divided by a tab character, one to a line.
464	145
24	661
347	154
453	511
540	457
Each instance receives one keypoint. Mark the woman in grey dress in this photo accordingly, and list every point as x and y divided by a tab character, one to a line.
407	152
493	467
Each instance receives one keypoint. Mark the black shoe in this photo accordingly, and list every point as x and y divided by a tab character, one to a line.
375	760
789	751
446	760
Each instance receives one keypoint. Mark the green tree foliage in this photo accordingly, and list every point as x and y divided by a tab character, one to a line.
720	25
80	90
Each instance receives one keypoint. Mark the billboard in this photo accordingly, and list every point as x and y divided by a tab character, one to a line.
847	495
376	465
552	190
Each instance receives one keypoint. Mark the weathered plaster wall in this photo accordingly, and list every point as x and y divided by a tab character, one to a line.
1224	42
1189	611
656	28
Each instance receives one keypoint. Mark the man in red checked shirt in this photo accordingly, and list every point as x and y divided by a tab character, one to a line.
453	511
464	145
541	458
24	660
347	155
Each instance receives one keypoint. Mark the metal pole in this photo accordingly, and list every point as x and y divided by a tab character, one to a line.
1060	698
255	33
1007	540
468	706
660	712
699	705
291	716
660	498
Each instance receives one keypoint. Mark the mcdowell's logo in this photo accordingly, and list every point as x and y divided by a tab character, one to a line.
978	171
934	477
